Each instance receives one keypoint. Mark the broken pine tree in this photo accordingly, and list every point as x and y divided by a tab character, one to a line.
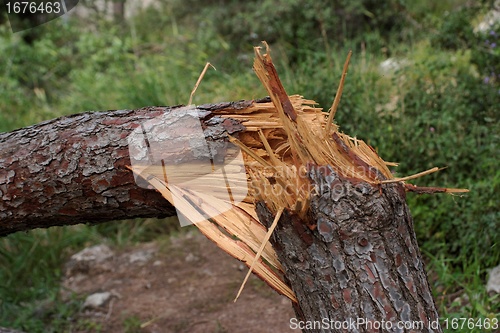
343	244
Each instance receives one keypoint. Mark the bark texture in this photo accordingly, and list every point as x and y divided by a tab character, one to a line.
73	169
354	257
361	262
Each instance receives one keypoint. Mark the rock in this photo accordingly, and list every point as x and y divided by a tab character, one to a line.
493	284
489	20
191	258
96	300
82	261
391	65
9	330
97	253
141	256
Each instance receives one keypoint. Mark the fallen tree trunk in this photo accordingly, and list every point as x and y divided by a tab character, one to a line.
73	170
362	260
344	249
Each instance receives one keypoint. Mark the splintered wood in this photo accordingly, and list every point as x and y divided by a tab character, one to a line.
281	139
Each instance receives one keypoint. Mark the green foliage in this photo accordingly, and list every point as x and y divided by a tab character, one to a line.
459	131
461	291
132	325
299	25
30	277
486	54
455	31
122	233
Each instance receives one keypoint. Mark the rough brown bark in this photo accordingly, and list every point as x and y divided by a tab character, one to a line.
354	258
361	266
74	169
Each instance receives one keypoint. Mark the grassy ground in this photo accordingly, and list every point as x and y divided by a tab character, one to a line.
436	109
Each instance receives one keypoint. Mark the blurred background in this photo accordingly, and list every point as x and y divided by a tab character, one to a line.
423	88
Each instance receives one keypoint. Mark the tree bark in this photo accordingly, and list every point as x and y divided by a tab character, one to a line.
73	169
353	262
360	269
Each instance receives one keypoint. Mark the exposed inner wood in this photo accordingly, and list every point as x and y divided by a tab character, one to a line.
283	141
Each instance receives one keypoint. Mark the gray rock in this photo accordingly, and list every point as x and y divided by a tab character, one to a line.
97	300
391	65
493	284
191	258
87	259
141	256
490	19
9	330
96	253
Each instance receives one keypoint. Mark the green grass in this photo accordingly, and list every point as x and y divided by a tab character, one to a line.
435	112
460	293
30	276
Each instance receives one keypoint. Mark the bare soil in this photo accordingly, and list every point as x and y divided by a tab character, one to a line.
183	284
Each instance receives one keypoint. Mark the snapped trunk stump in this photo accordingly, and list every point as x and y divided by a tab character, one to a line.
361	267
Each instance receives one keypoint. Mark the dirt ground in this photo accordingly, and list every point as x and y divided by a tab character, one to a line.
184	284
